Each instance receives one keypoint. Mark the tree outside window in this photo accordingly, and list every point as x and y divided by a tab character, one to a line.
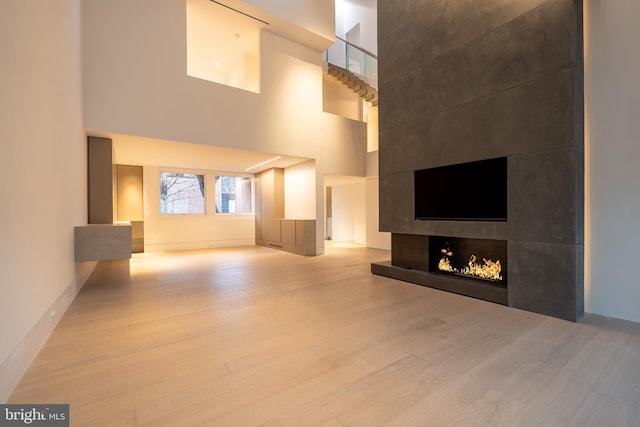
181	193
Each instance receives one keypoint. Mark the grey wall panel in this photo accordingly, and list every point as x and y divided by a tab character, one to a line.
412	251
543	278
424	38
397	208
394	15
463	81
542	196
100	174
532	117
532	46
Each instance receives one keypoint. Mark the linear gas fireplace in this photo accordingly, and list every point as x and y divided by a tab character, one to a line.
473	267
476	259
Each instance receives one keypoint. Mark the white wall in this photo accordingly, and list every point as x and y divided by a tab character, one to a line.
299	191
612	229
337	99
349	212
348	15
43	171
136	84
316	16
181	232
222	45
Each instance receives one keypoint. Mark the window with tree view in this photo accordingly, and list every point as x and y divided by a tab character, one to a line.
181	193
233	194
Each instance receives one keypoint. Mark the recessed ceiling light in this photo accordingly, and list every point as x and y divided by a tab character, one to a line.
262	163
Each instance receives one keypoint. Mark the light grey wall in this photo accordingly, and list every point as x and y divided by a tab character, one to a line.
612	91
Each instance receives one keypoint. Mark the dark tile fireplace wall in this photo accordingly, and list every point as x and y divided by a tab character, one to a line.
471	80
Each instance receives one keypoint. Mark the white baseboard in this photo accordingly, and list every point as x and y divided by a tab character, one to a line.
12	369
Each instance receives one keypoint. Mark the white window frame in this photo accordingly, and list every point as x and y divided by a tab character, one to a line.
209	192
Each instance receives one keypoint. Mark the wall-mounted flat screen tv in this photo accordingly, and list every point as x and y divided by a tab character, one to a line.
473	191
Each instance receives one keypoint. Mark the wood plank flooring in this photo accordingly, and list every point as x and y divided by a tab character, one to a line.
258	337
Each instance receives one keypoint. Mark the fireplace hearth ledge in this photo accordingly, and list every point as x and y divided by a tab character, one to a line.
475	288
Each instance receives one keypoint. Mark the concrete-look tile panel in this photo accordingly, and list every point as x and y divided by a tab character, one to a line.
542	196
434	86
533	117
579	34
396	203
578	109
405	148
468	229
444	27
410	251
543	278
537	44
394	14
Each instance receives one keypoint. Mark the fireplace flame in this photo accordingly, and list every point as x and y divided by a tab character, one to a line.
445	265
488	269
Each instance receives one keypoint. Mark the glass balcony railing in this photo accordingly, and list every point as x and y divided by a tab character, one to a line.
355	59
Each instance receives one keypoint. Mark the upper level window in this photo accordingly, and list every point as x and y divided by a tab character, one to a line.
223	45
233	194
182	193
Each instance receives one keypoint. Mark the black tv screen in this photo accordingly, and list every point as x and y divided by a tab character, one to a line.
474	191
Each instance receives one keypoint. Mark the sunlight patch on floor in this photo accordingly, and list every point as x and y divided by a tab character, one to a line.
342	244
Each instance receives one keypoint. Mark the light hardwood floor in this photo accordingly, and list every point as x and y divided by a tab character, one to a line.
254	336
